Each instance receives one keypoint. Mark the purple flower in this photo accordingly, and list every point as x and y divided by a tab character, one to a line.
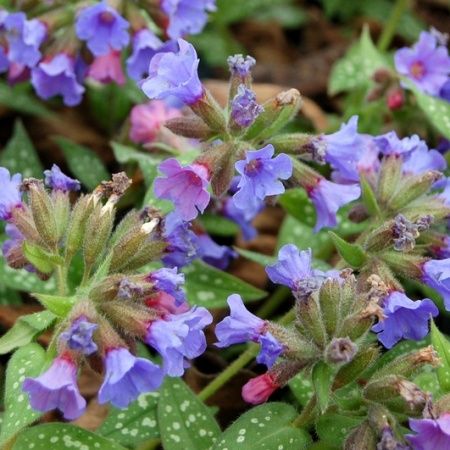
444	93
426	64
4	61
436	274
56	180
170	282
328	197
57	389
103	28
185	186
271	349
145	46
405	319
242	326
10	196
15	239
445	194
58	77
107	69
178	337
24	38
217	255
239	216
240	66
186	16
260	177
127	377
79	336
181	242
244	108
432	434
391	144
174	74
421	159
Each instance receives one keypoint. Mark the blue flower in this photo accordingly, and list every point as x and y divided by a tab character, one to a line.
240	66
10	196
271	349
127	377
391	144
103	28
56	180
174	73
404	319
432	434
79	336
217	255
244	108
178	337
169	281
436	274
260	177
421	159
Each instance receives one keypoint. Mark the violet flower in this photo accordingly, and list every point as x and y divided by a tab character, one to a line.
328	197
270	350
103	28
432	434
79	336
127	377
58	77
24	38
15	239
391	144
174	74
57	389
107	69
436	274
179	337
10	196
404	319
244	108
186	16
214	254
421	159
240	66
260	177
185	186
58	181
147	120
169	281
239	216
444	93
426	64
4	61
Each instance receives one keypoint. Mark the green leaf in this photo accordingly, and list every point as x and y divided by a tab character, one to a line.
210	287
135	424
368	197
357	67
62	436
26	362
83	163
428	382
186	423
218	225
302	388
148	164
352	253
322	378
297	203
43	261
259	258
25	330
333	428
20	98
9	296
19	155
265	427
57	304
436	110
442	347
21	280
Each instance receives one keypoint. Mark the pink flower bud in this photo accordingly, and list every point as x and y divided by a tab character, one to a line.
259	389
395	99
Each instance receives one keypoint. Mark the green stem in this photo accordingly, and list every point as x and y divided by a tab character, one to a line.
61	279
391	25
273	302
307	415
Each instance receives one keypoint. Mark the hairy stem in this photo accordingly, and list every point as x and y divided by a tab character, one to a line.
307	415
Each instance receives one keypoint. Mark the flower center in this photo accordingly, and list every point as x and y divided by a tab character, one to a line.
107	17
417	70
194	179
253	167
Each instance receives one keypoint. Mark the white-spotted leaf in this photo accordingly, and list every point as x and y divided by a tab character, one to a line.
26	362
334	428
268	427
62	436
442	346
185	423
135	424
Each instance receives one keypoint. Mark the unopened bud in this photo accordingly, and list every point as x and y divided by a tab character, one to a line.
307	146
240	69
340	350
329	299
395	99
192	127
389	178
382	75
389	442
309	321
61	204
360	438
405	264
210	112
412	394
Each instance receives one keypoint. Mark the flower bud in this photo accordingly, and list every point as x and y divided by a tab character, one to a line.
207	108
190	127
395	99
405	264
149	251
61	205
340	350
240	69
389	178
259	389
305	145
329	299
360	438
278	111
309	321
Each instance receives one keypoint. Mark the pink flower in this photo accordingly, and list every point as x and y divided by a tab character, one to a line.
259	389
147	120
107	68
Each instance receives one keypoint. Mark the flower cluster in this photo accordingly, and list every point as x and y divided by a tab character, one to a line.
115	303
30	48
